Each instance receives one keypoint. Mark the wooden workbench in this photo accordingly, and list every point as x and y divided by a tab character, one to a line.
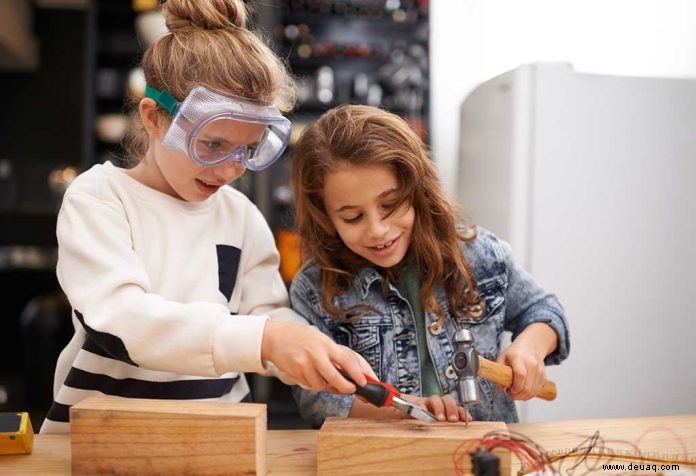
666	438
293	452
290	452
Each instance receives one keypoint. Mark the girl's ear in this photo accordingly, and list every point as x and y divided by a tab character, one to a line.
151	118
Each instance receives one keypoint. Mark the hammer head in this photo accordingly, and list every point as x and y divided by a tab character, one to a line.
466	366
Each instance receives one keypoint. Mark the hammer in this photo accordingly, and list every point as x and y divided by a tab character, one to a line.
469	366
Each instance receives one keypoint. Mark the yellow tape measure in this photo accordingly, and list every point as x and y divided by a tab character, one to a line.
16	433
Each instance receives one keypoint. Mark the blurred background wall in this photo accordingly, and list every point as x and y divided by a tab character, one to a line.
475	40
567	128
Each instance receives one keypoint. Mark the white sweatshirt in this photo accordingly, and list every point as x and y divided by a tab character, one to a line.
169	297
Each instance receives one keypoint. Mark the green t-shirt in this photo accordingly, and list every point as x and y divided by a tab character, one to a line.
408	285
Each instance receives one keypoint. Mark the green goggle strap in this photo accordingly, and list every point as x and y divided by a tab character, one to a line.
162	98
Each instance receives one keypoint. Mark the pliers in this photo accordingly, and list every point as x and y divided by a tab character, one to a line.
382	394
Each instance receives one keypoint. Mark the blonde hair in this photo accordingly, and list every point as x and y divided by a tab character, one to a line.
209	43
364	135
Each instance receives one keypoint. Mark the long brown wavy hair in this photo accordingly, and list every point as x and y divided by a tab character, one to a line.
364	135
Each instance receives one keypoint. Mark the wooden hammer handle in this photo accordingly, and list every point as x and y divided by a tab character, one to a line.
502	374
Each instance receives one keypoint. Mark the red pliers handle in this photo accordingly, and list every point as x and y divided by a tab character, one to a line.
377	393
382	394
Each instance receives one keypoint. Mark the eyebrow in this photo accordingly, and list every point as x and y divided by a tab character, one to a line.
217	138
381	195
222	139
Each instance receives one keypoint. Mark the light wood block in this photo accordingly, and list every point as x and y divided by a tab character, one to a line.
362	446
671	438
290	453
136	436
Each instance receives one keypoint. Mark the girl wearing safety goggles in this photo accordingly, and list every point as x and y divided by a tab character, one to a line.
172	275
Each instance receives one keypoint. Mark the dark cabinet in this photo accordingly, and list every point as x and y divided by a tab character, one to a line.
44	139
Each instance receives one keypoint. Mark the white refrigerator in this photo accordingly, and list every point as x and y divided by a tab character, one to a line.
592	180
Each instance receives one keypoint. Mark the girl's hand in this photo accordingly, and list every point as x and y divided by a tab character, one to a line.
310	358
444	408
526	357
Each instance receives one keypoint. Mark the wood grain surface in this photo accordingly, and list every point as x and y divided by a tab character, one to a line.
620	440
137	436
361	446
293	452
290	453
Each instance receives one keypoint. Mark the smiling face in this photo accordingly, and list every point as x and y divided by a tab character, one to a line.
358	200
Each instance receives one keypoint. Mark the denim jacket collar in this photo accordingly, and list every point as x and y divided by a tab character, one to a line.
364	279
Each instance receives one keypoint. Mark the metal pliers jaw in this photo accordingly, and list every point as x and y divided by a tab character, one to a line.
382	394
415	411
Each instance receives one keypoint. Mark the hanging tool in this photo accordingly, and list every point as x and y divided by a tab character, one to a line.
469	367
382	394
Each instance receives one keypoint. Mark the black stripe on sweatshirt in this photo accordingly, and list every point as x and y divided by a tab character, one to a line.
59	412
228	264
135	388
112	345
91	346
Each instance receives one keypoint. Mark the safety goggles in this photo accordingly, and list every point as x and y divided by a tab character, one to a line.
205	126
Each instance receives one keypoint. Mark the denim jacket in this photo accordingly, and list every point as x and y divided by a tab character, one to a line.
387	338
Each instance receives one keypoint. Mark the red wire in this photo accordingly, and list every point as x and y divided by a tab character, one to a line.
528	455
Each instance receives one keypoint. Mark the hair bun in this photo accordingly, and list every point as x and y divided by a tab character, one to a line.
206	14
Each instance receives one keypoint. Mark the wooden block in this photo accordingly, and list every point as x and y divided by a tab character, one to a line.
671	439
292	452
361	446
136	436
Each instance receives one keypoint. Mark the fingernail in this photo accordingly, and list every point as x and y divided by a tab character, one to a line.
453	418
440	416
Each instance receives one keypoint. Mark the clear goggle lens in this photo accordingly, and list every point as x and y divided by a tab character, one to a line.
217	141
213	126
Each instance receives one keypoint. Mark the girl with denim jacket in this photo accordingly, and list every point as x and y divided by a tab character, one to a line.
391	274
